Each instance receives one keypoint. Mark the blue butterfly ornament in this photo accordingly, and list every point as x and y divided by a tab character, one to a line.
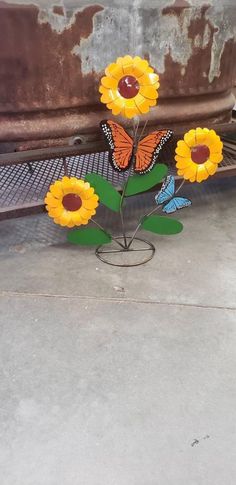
167	198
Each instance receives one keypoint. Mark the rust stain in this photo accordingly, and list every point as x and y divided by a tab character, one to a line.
37	69
173	9
58	10
193	78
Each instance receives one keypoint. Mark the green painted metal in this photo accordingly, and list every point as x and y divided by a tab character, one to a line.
141	183
108	195
88	236
162	225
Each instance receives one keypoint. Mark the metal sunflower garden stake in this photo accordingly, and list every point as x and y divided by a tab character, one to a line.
130	89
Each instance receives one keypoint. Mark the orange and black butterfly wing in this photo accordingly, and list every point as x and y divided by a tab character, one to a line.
120	145
148	150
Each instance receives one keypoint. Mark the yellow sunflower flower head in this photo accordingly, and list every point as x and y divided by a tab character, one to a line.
198	154
130	87
71	202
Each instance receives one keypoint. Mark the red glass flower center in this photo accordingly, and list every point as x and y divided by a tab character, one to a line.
128	87
71	202
200	153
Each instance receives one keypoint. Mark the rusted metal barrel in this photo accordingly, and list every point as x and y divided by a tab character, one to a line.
52	56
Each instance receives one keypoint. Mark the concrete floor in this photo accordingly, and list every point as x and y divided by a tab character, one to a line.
116	376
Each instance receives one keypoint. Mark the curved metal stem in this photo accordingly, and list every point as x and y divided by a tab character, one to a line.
135	131
113	239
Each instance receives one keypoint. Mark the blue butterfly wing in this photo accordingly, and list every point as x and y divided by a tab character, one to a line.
167	191
175	204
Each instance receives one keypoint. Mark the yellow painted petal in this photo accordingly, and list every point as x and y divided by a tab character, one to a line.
76	218
216	157
130	112
140	66
201	135
51	200
114	70
202	173
88	193
102	89
149	79
56	189
64	218
117	105
213	139
67	185
116	109
127	65
190	171
142	103
152	102
86	214
148	92
180	172
124	61
183	163
217	146
109	82
182	149
79	186
91	203
109	96
55	211
211	167
190	138
178	158
149	70
130	109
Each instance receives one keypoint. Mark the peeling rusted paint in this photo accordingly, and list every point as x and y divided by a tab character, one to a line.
37	70
53	55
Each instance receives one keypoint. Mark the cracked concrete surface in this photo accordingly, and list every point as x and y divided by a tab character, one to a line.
120	376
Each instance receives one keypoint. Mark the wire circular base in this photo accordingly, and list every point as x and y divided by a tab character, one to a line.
126	257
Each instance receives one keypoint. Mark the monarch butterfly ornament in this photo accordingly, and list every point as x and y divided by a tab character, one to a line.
122	147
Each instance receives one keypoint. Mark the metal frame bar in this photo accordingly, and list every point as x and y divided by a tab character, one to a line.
45	154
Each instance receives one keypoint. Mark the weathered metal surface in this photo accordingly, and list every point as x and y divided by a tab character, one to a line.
52	56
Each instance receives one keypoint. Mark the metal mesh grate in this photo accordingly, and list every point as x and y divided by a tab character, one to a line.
20	186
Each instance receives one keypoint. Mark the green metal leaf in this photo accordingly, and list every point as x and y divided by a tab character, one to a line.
88	236
108	195
162	225
141	183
